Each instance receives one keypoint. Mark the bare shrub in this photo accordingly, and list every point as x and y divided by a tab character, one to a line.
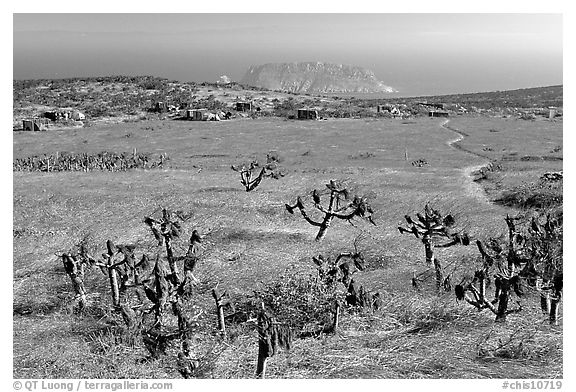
247	171
431	227
341	205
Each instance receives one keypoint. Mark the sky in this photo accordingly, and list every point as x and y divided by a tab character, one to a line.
418	54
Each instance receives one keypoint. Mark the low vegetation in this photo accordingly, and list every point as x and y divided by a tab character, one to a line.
341	205
104	161
432	226
272	169
220	281
132	98
530	259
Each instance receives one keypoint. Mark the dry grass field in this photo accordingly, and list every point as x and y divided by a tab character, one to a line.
252	240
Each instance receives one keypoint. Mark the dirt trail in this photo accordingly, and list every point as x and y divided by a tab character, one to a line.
472	188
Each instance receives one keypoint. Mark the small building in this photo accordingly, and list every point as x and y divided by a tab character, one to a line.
56	115
388	108
438	113
213	117
160	107
37	124
383	108
64	114
551	112
197	114
308	114
439	106
78	116
243	106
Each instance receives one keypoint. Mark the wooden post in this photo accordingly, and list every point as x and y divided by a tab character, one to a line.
75	271
428	250
262	359
336	317
503	297
112	274
545	303
220	312
263	347
554	302
439	275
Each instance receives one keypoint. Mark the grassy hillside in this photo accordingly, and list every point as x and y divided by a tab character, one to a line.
121	99
252	242
520	98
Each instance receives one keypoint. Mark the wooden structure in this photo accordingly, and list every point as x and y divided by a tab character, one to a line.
308	114
56	115
439	106
78	116
160	107
438	113
384	108
36	124
393	110
243	106
197	114
64	114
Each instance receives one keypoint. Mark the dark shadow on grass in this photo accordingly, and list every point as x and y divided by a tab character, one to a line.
35	309
209	156
530	158
270	210
218	189
241	235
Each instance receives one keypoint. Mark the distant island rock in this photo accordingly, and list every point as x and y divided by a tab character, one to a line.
310	77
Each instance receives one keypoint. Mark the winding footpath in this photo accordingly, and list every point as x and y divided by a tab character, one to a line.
471	188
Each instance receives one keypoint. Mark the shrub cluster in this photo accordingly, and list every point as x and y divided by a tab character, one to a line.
103	161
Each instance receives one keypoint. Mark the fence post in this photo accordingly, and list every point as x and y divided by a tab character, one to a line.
112	274
220	312
336	316
76	273
554	302
262	347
